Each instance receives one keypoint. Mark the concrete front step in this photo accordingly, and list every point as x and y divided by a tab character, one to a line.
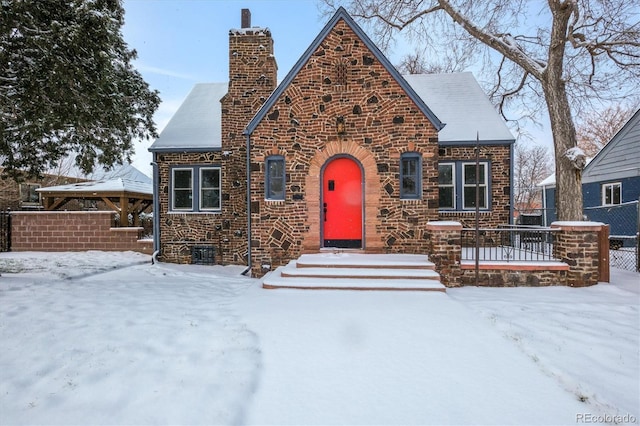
359	273
358	260
342	271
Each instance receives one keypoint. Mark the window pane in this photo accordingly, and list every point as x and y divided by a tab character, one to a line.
615	196
275	183
470	197
446	197
210	199
276	168
210	178
182	199
28	193
409	186
410	176
445	174
182	178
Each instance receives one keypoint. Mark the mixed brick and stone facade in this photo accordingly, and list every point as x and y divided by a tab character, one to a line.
381	122
342	100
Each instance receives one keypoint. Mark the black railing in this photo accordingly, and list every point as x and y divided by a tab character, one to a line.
509	243
5	231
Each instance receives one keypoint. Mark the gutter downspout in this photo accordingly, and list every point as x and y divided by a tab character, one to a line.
249	264
511	208
156	211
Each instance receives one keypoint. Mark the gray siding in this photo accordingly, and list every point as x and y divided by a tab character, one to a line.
620	158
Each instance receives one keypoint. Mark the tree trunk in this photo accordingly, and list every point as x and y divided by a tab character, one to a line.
568	178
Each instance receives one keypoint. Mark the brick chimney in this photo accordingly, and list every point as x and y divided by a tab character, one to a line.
252	78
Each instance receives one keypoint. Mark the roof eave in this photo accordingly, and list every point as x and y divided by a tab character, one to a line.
481	142
170	149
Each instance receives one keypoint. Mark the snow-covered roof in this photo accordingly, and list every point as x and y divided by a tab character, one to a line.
456	99
196	125
549	181
459	101
116	185
126	171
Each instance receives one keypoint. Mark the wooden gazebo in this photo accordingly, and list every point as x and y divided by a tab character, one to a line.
123	195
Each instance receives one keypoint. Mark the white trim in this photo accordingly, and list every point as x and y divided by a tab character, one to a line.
605	187
173	188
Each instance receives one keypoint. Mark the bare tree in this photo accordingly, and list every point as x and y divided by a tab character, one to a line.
533	163
595	130
556	57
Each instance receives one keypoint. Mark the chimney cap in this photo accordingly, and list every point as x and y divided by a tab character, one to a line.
245	18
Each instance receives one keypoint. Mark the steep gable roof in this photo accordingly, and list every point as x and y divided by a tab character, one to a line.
620	157
196	125
341	14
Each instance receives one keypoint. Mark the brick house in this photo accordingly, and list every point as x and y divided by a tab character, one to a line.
344	153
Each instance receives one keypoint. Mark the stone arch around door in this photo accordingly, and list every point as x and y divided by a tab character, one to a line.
371	196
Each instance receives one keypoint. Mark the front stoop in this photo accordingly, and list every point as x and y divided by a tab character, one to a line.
350	271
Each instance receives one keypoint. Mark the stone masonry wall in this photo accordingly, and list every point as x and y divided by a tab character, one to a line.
576	246
252	78
499	158
341	79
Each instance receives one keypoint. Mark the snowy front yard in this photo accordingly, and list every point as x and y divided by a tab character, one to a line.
108	338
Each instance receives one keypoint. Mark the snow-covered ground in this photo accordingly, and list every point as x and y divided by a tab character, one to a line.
108	338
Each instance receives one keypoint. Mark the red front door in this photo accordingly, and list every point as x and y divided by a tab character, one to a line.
342	204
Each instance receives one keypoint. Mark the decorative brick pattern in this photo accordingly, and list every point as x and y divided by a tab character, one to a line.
252	78
499	158
381	123
73	231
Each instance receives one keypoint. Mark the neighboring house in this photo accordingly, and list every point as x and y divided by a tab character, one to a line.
345	153
610	183
24	195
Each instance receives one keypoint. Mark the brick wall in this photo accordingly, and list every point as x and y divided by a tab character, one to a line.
576	246
499	158
73	231
381	124
252	78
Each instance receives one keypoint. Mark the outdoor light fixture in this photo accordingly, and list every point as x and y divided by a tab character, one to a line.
340	125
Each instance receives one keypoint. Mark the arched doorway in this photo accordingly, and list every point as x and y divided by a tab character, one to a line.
341	212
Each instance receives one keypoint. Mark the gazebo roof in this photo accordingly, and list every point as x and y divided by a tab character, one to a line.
116	187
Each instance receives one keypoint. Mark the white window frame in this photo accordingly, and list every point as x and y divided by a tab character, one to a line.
452	185
173	189
608	188
201	189
484	185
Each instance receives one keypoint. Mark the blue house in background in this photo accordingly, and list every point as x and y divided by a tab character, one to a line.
610	183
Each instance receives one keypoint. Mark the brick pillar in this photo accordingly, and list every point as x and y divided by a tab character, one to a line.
445	251
577	245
